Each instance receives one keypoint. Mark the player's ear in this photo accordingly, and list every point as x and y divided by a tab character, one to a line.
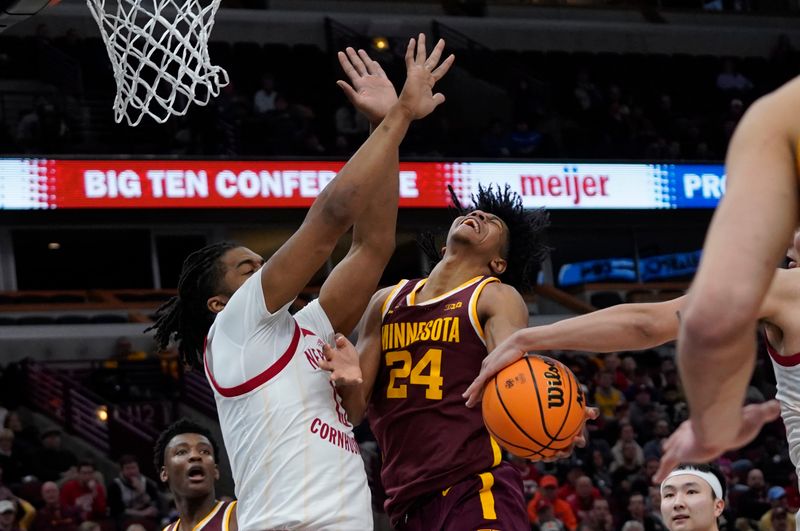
719	506
162	474
443	250
217	303
216	473
498	266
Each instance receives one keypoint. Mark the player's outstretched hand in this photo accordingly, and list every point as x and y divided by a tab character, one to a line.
422	73
369	90
684	446
502	356
341	361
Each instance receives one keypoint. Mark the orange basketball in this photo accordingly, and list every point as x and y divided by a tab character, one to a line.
534	407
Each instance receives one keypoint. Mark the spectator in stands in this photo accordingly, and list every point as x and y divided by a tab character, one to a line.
132	497
264	99
600	518
778	519
55	516
25	439
574	471
600	475
653	447
548	492
729	80
85	493
546	519
627	434
12	462
654	504
754	502
637	511
780	507
607	397
8	516
52	461
582	500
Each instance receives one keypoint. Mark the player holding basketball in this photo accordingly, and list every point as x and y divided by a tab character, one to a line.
421	343
693	497
643	326
186	460
293	456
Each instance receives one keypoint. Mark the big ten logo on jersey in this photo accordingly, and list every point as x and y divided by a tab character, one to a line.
453	306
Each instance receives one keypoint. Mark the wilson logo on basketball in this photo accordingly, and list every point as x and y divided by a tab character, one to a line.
555	390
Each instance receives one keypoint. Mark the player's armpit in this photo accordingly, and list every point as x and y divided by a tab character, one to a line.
782	296
502	311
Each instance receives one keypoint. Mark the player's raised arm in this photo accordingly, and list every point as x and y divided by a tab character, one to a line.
748	234
348	289
343	202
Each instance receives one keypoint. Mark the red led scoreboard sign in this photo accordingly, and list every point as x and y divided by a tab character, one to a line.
49	183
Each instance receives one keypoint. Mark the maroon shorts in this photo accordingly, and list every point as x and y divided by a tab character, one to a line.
492	501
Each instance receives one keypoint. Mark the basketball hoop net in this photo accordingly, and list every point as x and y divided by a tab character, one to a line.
159	52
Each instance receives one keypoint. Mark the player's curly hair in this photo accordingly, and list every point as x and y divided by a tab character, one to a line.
526	248
179	428
186	318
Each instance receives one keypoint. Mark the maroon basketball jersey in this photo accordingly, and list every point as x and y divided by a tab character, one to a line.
430	353
219	519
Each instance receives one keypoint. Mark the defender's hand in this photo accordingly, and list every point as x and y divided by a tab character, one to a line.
369	90
342	362
422	73
502	356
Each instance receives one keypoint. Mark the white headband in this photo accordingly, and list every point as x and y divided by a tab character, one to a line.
708	477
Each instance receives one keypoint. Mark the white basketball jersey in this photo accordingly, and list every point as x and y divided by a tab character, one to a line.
294	460
787	378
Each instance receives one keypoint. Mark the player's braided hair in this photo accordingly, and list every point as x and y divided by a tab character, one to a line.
186	318
179	428
526	248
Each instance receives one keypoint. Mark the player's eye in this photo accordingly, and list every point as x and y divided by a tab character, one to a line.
668	495
180	452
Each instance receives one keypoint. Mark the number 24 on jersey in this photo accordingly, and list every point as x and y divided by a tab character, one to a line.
400	362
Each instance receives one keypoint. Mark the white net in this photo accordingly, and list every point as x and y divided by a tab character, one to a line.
159	52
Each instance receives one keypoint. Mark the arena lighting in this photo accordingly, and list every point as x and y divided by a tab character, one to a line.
102	414
380	43
54	246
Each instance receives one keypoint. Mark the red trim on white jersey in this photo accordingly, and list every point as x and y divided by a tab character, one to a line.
783	361
257	381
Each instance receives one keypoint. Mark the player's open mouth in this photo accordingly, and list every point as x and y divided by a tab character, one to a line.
470	222
196	473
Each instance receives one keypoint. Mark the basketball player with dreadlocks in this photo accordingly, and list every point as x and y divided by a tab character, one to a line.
294	460
186	456
421	344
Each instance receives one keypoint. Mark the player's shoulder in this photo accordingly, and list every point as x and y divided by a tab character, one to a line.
779	108
496	289
495	294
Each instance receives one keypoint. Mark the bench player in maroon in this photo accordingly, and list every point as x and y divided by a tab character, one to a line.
186	460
